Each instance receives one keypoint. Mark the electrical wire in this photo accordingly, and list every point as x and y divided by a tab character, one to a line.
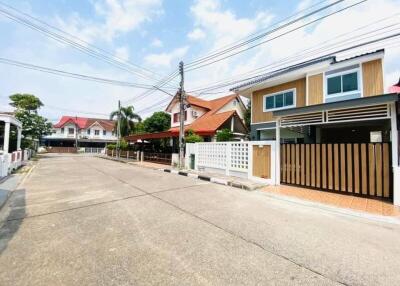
78	76
95	52
276	37
300	56
262	35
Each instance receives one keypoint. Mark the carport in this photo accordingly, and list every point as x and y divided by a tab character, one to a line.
347	147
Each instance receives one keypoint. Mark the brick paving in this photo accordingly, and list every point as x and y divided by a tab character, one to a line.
344	201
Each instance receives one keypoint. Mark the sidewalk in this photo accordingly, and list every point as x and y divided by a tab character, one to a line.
371	206
7	185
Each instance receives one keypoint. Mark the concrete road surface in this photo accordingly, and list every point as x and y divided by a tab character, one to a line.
78	220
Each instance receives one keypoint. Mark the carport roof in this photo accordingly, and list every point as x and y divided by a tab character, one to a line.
379	99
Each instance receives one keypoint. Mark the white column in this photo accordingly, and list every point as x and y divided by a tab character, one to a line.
395	163
278	154
19	135
6	137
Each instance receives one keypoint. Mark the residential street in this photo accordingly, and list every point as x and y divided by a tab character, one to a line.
77	220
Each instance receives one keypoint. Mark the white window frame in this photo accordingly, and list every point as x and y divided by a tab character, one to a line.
279	92
340	94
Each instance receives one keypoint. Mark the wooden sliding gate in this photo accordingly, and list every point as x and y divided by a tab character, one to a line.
360	169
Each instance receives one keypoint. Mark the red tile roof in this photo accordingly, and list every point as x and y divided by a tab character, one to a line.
84	123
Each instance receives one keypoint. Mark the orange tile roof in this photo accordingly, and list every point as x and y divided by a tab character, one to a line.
209	122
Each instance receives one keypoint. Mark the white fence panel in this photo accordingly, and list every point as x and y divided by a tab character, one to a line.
239	152
212	155
231	158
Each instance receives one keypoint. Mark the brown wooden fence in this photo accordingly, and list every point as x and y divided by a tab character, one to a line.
123	154
358	169
161	158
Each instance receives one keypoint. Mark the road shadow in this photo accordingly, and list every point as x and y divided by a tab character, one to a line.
11	217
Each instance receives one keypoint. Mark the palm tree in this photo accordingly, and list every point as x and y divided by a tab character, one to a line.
128	119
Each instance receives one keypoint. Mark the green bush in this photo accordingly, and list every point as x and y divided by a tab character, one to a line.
111	146
192	137
224	135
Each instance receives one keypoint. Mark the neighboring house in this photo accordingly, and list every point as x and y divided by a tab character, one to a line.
89	132
10	133
204	117
336	122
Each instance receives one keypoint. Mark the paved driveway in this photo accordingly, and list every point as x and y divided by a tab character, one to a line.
88	221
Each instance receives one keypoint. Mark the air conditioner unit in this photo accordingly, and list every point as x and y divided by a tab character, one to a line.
194	113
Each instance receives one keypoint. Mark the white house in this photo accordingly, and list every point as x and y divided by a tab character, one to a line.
88	132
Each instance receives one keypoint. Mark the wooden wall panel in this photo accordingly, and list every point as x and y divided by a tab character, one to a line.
364	174
315	89
258	115
262	161
372	78
349	168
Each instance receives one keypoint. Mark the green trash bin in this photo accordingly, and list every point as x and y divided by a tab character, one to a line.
192	159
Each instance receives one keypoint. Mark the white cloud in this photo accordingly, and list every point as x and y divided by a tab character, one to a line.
119	16
165	59
122	53
157	43
196	34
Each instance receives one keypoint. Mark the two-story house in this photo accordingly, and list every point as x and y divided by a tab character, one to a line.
204	117
337	128
88	132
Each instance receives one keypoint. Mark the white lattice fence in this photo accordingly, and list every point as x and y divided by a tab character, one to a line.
239	152
212	155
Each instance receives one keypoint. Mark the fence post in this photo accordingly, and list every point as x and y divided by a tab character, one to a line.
112	153
127	154
141	156
228	157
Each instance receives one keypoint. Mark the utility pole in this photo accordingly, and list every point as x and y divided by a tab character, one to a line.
76	132
118	128
182	98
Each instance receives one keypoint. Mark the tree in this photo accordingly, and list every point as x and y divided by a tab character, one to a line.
34	126
25	101
247	115
224	135
158	122
192	137
128	120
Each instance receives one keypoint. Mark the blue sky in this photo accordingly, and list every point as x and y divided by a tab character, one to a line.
157	34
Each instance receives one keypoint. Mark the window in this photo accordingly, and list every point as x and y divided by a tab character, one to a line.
342	84
104	132
88	131
71	131
97	132
281	100
62	130
176	116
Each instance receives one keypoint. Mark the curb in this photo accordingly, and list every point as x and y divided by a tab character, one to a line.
214	180
210	179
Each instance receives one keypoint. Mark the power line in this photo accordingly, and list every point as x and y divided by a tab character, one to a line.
298	56
259	31
85	47
74	111
78	76
281	35
262	35
311	50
